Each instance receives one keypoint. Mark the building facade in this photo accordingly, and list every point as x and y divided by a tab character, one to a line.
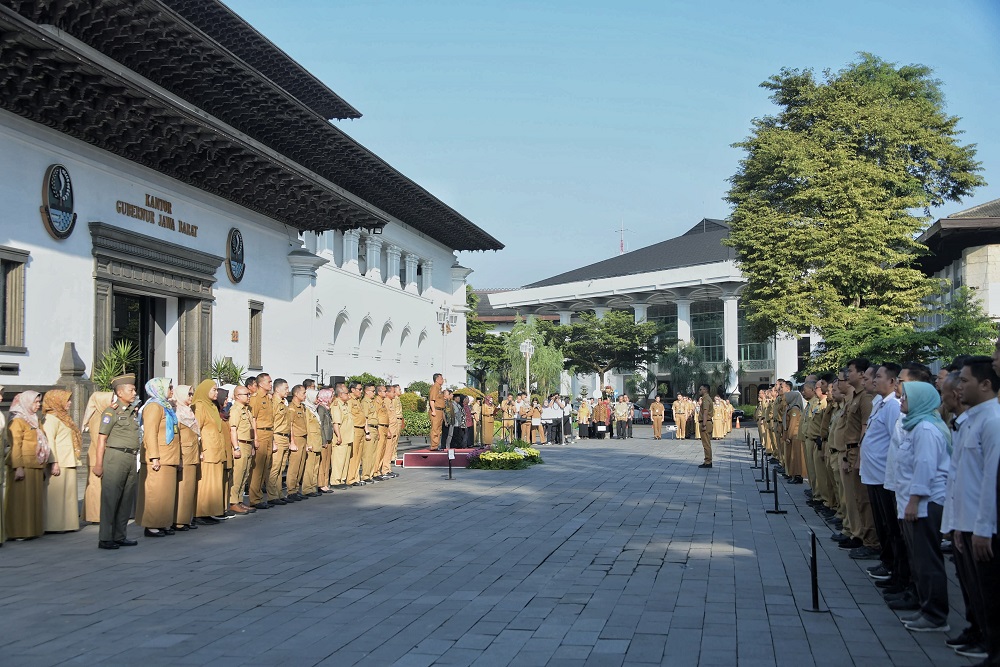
689	283
172	178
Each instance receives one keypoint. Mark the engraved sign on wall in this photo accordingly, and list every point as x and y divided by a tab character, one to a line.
235	256
57	202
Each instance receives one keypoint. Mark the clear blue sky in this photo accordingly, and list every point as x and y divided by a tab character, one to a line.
549	122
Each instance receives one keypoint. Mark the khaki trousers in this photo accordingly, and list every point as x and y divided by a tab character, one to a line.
383	443
261	467
340	457
354	465
296	465
657	427
279	461
856	496
310	476
368	449
526	430
682	426
833	459
324	466
241	472
706	441
437	422
390	447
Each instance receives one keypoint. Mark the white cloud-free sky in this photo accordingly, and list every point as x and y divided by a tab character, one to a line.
550	123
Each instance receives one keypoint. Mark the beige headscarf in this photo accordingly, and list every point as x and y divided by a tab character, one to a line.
182	406
55	403
99	401
21	408
203	403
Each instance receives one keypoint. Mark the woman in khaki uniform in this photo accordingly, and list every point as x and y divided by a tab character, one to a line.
212	466
795	466
29	455
488	412
323	401
98	402
159	456
535	422
62	512
187	481
314	446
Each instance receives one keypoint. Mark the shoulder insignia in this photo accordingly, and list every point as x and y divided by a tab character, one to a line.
106	419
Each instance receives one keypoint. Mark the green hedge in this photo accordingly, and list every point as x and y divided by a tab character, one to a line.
748	410
413	403
417	423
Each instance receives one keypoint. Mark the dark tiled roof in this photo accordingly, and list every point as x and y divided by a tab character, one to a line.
702	244
487	313
990	209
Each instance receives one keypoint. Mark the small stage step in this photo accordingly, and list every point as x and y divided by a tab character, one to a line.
430	458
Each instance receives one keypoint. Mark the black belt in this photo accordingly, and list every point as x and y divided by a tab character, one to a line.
122	449
284	435
265	428
383	424
399	418
854	445
245	442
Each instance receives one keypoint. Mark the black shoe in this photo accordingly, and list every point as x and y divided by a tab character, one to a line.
167	531
357	484
206	521
852	543
107	545
975	650
228	514
967	636
317	494
263	506
340	487
126	542
193	525
865	553
795	480
908	602
839	537
890	587
278	501
181	529
808	492
705	465
150	533
879	572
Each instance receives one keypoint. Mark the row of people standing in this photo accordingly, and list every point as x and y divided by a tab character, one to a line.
687	417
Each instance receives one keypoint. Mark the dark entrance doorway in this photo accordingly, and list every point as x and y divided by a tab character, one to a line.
139	320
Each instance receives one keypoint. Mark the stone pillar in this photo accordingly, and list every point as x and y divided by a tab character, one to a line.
683	320
601	311
411	272
351	240
640	311
373	253
730	336
565	316
71	370
427	268
393	253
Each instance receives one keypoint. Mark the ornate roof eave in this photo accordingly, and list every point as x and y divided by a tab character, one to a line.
45	82
151	39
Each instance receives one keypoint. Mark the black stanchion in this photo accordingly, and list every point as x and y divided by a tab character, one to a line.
814	577
451	457
755	465
764	477
776	510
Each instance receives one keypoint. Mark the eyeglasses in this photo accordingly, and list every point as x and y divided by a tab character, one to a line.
190	393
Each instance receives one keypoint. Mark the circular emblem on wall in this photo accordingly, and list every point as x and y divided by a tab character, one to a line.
57	202
235	257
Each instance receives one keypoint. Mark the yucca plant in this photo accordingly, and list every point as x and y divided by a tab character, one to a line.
115	362
225	371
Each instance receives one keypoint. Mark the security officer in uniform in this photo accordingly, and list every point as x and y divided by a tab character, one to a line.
115	463
656	416
262	413
282	438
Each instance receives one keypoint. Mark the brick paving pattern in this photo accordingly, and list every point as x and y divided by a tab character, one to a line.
611	553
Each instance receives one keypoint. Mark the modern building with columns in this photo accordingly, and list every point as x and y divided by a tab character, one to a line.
172	178
689	283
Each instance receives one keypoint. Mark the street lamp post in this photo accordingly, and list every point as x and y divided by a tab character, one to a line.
446	319
527	349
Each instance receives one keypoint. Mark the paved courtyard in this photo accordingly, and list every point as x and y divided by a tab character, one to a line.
611	553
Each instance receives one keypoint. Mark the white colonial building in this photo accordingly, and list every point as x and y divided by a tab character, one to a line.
690	283
172	178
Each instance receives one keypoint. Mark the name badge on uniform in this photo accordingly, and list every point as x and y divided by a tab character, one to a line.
106	419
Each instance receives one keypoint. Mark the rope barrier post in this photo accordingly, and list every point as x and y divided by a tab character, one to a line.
764	477
776	509
755	465
814	577
451	457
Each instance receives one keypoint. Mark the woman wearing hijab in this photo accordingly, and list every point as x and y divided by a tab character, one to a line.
470	422
187	479
29	455
795	455
488	412
314	446
212	467
223	401
324	398
92	423
160	456
922	463
62	511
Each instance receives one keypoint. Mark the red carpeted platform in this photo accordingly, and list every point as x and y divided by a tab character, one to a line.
427	458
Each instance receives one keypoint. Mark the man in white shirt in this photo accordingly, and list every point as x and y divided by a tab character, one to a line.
970	509
874	455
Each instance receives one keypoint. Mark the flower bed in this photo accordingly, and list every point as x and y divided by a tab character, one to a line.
501	456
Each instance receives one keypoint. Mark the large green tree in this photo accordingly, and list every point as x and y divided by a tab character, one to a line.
486	353
833	190
613	342
546	361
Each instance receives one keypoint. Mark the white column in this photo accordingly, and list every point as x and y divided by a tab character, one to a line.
640	311
393	253
351	238
601	311
730	336
373	253
683	320
427	268
786	357
565	316
411	272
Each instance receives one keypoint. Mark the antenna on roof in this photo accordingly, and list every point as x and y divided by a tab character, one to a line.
621	237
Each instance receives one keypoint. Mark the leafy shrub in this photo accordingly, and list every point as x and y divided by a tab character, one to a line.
413	403
504	457
116	361
748	410
417	423
419	387
365	378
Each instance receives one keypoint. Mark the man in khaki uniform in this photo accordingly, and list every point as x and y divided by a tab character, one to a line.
382	417
241	438
361	434
262	413
856	415
435	403
395	428
282	437
371	439
299	430
706	412
679	410
343	437
656	412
